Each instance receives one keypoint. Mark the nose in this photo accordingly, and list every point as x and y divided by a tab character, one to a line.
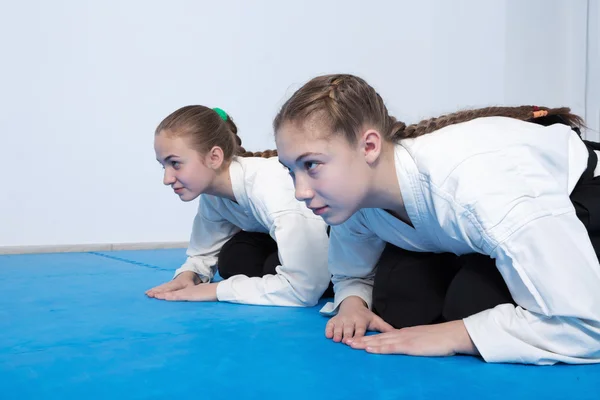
303	191
169	178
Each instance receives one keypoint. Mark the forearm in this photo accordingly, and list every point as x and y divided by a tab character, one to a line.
463	344
272	290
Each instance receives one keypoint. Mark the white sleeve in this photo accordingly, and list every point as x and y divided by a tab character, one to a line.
209	233
553	273
302	277
353	254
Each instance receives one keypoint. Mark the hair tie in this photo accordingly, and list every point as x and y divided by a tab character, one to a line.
221	113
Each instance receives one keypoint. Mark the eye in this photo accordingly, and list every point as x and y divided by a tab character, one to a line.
175	164
311	165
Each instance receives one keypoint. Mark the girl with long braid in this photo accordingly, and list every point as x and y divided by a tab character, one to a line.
477	232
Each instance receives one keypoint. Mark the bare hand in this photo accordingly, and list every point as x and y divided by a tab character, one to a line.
201	292
353	320
183	280
444	339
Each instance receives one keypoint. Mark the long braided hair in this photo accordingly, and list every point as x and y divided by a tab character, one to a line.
346	103
207	128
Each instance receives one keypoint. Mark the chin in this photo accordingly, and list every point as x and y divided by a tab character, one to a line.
341	213
336	218
187	197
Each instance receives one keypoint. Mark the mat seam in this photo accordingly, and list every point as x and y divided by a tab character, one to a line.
138	263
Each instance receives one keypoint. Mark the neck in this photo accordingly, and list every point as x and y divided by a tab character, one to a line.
384	191
221	185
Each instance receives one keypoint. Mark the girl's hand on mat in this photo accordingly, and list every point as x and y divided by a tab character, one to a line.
444	339
353	320
201	292
183	280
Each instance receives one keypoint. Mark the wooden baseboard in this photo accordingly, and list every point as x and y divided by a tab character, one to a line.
79	248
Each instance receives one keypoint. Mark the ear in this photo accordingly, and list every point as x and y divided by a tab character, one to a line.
371	143
214	158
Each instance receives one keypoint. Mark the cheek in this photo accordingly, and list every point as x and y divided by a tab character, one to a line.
195	180
178	176
332	184
347	183
187	179
198	179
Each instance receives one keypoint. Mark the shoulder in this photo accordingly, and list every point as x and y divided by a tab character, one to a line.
494	172
446	147
487	148
270	187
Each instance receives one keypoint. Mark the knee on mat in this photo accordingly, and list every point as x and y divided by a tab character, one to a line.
228	265
246	254
474	290
229	262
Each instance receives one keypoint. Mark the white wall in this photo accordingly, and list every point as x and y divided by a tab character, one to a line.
546	53
593	71
84	83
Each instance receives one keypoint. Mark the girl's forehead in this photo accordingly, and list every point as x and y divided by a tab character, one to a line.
293	134
308	133
294	144
171	144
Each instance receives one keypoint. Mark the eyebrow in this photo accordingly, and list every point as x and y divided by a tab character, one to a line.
308	153
167	158
301	156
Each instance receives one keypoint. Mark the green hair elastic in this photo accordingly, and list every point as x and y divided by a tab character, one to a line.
221	113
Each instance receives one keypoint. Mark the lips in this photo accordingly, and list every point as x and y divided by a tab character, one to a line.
319	210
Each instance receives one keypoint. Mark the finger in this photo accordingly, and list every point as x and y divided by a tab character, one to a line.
189	293
378	324
154	290
160	295
379	337
361	343
175	295
165	287
329	329
390	348
358	344
372	340
152	294
348	332
338	331
359	331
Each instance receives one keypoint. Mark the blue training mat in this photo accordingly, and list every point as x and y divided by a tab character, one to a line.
78	326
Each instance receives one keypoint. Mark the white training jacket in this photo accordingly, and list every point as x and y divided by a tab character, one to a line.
500	187
265	203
